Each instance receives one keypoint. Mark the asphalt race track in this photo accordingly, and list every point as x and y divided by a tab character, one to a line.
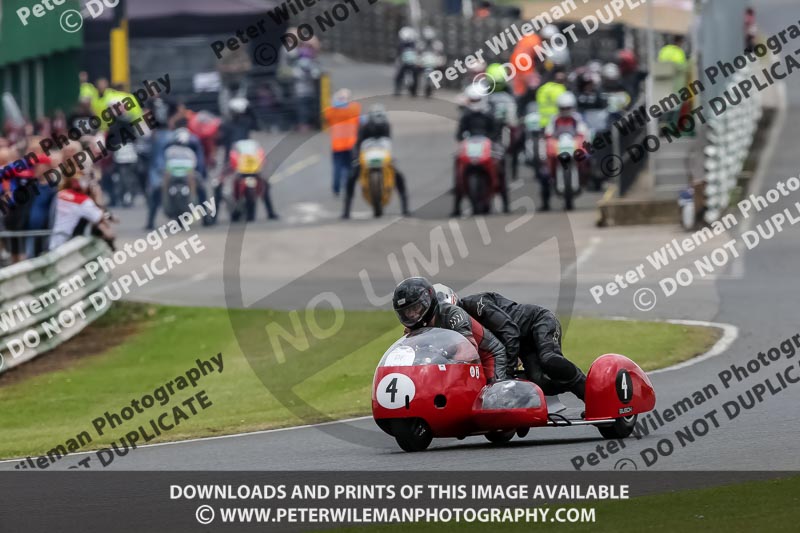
757	295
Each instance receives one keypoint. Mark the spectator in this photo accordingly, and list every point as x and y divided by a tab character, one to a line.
87	90
17	217
41	206
484	10
750	28
674	53
632	76
306	74
73	204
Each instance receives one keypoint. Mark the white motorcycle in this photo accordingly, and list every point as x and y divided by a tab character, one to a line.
533	140
567	179
430	61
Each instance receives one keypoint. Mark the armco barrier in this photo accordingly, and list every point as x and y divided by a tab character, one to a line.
728	139
39	279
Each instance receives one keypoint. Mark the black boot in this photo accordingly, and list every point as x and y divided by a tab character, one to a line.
579	388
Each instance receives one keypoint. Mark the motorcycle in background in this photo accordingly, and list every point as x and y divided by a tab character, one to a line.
598	124
247	160
504	107
533	138
125	178
476	173
377	177
206	128
179	187
567	181
430	61
409	60
144	149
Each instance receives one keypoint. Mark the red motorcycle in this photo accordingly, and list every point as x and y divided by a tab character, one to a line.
477	175
431	384
247	160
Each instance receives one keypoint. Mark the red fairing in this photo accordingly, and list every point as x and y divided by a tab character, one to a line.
485	161
458	384
617	387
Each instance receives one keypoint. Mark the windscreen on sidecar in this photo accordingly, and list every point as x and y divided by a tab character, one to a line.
431	346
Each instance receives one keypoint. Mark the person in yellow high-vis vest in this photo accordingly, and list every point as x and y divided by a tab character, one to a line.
547	96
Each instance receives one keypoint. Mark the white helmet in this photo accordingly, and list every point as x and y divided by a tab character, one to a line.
445	294
567	100
611	72
549	31
408	34
559	57
477	67
183	136
378	112
238	105
476	98
428	33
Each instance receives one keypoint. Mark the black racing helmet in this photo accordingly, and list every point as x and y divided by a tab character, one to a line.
415	302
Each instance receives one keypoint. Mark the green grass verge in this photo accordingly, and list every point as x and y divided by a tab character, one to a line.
42	411
757	506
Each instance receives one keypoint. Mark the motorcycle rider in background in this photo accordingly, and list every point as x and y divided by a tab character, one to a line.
182	146
375	126
479	119
429	42
237	128
631	75
432	57
618	98
407	61
530	333
547	95
566	121
558	57
417	306
504	106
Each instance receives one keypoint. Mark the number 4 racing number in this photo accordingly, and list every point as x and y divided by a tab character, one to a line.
624	386
395	391
391	388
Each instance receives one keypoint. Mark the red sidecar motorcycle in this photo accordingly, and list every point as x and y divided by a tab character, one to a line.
430	383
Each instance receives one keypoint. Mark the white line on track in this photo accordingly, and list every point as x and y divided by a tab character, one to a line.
729	335
583	257
219	437
294	168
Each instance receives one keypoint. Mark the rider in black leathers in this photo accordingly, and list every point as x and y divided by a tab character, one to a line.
533	334
477	120
375	127
417	306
